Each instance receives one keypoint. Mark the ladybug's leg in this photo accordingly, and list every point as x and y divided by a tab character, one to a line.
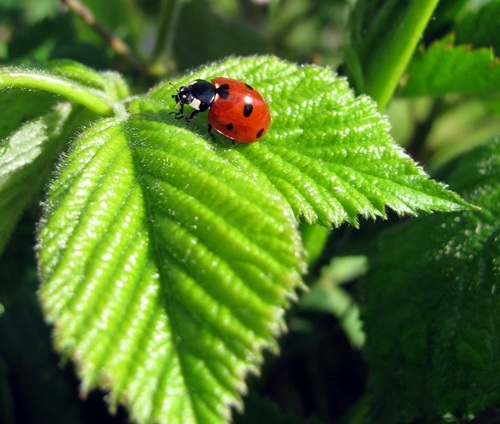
180	114
210	131
193	115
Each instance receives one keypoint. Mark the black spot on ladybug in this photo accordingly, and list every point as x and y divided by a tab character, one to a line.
223	91
259	134
249	86
247	110
229	126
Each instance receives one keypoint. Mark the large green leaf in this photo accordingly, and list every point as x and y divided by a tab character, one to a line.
167	258
433	310
165	271
446	68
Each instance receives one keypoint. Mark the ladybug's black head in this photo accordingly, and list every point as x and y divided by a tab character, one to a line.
198	94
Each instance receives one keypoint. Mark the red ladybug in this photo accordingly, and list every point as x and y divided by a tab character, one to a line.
237	111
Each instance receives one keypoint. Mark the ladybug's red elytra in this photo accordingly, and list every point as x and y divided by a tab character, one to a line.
237	111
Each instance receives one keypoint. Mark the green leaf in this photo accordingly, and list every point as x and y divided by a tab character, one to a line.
446	68
165	271
19	106
329	153
328	296
443	18
313	238
433	310
27	151
24	159
480	28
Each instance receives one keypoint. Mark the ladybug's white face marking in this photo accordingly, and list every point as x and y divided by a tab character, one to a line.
195	103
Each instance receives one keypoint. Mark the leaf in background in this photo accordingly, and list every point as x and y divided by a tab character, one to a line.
446	68
433	310
37	10
327	295
443	19
165	271
223	35
329	153
480	28
24	159
19	106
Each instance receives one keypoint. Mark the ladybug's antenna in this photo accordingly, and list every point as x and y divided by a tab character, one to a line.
175	96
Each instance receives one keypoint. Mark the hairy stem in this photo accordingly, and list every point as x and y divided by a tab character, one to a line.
37	80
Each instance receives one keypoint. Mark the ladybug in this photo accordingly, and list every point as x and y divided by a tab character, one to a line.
237	111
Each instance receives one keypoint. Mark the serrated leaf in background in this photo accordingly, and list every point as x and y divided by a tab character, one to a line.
433	311
446	68
480	28
329	153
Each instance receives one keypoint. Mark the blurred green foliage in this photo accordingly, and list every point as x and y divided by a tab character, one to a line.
320	374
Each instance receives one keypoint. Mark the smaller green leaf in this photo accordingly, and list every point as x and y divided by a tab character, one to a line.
433	309
480	28
327	295
25	157
314	238
446	68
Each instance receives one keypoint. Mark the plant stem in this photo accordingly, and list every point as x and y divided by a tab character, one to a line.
84	96
117	44
395	51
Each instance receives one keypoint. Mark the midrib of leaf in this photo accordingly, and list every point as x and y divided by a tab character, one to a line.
213	294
